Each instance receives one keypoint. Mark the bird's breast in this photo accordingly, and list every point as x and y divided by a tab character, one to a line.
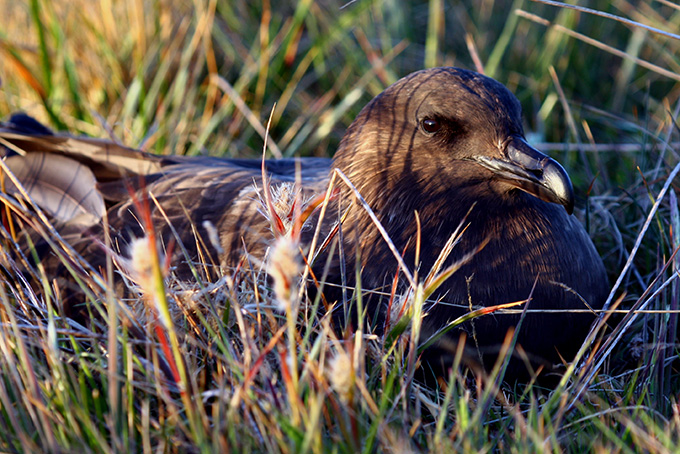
507	250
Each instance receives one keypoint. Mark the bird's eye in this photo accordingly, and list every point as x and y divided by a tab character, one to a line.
431	125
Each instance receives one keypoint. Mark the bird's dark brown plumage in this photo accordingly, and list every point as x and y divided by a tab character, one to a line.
445	143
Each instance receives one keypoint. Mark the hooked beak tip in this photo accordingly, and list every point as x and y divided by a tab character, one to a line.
528	169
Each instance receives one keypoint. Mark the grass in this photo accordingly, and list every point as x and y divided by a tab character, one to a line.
221	369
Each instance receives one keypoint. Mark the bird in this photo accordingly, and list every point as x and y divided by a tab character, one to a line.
438	155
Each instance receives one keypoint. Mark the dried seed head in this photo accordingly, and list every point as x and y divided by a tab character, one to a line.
636	346
340	374
401	306
284	198
284	267
140	265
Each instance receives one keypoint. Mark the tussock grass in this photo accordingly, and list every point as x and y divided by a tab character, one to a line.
239	365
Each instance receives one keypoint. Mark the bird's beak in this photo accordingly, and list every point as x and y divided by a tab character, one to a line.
533	172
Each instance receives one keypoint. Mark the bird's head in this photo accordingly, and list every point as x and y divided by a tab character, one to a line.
448	128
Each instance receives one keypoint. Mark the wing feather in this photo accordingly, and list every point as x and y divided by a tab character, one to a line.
109	159
63	187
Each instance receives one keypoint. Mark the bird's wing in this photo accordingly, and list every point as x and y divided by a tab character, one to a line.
206	203
60	173
63	187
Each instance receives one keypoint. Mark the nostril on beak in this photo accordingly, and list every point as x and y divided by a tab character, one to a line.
538	173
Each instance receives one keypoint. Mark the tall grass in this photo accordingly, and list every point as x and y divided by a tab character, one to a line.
218	366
